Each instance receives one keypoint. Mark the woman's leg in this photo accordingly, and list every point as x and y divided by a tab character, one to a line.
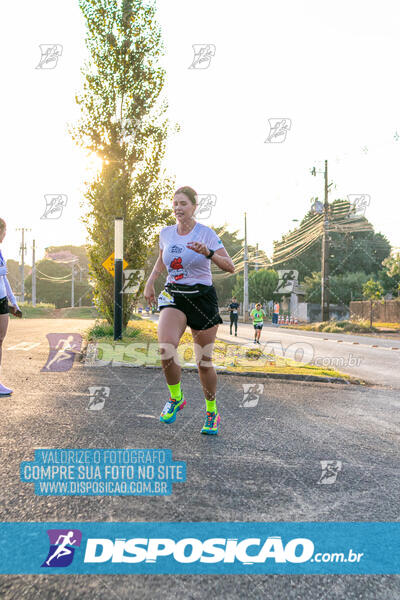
171	326
3	330
204	342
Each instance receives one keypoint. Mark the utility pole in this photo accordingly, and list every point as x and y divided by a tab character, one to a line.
325	254
80	279
23	250
33	275
73	286
246	276
256	265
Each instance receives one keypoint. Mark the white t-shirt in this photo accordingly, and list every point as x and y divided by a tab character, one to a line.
183	264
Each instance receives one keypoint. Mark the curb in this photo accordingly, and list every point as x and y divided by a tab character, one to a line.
256	374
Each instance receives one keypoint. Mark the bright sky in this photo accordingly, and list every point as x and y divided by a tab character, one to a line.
330	67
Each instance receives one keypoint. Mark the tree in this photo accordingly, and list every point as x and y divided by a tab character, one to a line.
123	123
343	288
262	284
389	276
354	246
372	290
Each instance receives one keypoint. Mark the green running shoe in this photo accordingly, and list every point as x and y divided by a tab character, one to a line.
168	413
211	423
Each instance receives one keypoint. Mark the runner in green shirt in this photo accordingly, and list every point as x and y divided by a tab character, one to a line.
258	321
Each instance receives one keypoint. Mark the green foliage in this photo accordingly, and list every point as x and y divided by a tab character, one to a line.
350	251
389	276
123	123
372	290
343	288
360	326
262	284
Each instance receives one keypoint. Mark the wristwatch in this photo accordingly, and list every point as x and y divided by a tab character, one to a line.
211	254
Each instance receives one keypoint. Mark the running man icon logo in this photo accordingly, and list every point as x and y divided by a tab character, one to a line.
62	350
287	281
62	547
50	54
330	470
98	395
251	394
202	56
54	206
358	205
205	205
278	129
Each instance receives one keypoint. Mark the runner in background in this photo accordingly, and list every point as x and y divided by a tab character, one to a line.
188	299
233	308
258	321
275	314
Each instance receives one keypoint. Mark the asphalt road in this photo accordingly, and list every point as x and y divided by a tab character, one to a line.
263	466
373	359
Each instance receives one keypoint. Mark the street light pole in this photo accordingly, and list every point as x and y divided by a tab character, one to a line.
33	274
246	275
118	275
325	254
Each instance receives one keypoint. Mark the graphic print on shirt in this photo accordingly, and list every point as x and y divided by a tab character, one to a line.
175	249
176	265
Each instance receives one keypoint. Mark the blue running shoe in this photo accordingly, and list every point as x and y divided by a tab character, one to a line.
168	413
211	423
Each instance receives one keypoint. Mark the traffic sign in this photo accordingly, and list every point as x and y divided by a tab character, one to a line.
108	264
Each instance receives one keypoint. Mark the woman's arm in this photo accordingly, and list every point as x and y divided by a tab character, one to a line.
158	269
10	294
222	259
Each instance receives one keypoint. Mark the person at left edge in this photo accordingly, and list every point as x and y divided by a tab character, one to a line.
189	298
5	295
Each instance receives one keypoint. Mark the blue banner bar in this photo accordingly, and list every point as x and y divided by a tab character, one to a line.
204	547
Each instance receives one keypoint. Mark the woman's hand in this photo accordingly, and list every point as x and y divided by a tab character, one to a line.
3	270
198	247
150	293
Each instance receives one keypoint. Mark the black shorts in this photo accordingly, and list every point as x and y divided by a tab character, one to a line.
4	306
198	302
258	325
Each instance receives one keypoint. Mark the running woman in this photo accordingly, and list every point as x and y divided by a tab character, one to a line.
5	295
258	321
233	308
188	299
